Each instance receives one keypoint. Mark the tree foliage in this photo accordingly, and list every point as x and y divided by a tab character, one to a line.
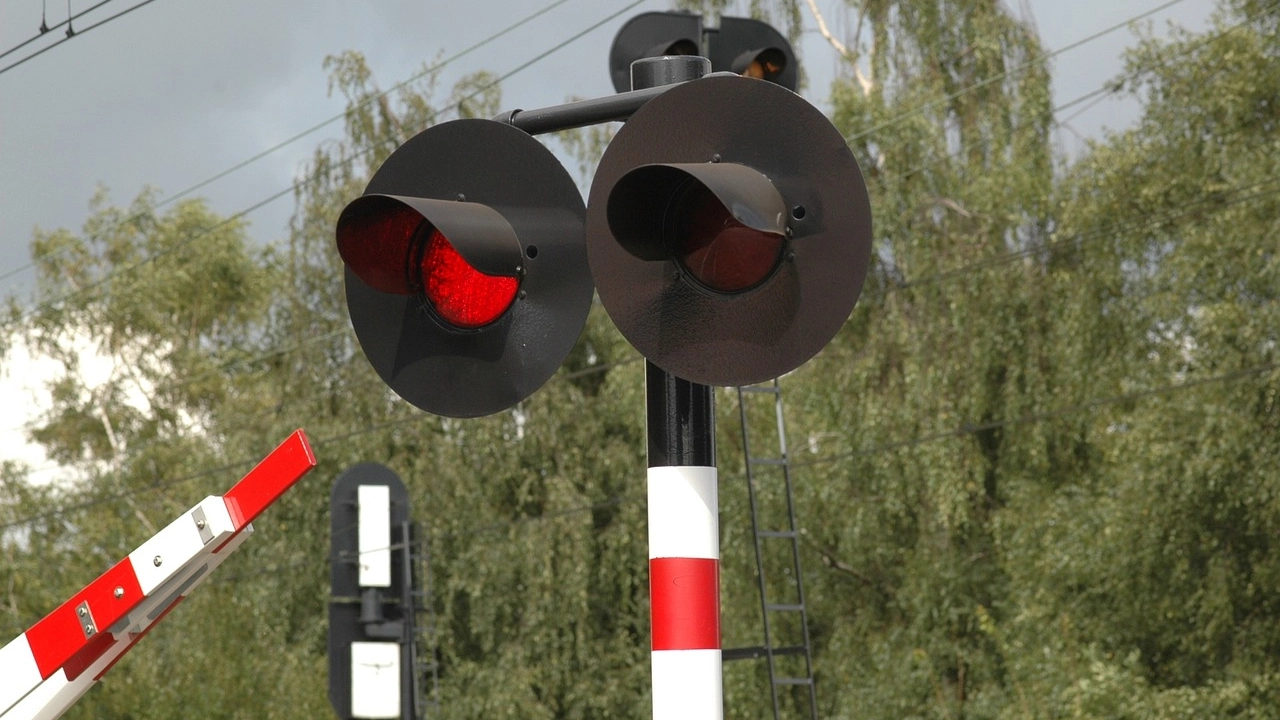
1036	471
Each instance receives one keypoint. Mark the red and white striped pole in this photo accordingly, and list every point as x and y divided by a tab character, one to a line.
684	593
684	513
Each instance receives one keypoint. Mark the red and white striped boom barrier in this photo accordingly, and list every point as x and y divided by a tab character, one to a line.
47	668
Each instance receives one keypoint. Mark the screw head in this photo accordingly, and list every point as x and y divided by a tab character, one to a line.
84	611
119	592
158	561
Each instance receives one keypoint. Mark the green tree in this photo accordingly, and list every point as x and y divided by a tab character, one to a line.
536	538
1036	471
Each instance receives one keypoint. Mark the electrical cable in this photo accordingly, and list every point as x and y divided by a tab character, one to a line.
349	159
403	420
164	484
902	117
45	28
304	133
74	34
1079	238
961	430
315	176
1107	88
1105	232
1038	417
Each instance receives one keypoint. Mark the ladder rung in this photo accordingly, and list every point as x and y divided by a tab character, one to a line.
773	607
793	681
759	651
767	461
777	533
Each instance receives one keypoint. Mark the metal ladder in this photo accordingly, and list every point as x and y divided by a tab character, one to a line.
777	544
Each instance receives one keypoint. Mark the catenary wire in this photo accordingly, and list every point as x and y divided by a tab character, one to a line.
304	133
951	274
316	176
349	159
77	34
982	265
1106	89
45	29
960	430
278	352
1078	238
902	117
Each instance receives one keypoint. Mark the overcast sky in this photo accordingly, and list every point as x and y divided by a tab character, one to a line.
179	90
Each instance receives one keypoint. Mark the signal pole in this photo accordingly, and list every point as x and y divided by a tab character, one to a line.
684	523
727	233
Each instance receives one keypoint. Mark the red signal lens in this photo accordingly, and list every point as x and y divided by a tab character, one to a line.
718	250
460	294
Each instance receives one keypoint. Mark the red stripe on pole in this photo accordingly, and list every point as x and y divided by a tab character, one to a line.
685	600
61	634
268	481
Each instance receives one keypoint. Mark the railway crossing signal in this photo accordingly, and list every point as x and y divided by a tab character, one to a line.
730	252
466	274
728	232
741	46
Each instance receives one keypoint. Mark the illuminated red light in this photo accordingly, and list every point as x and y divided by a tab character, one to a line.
716	249
460	294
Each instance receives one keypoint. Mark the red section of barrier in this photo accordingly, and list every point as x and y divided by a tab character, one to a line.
62	633
268	481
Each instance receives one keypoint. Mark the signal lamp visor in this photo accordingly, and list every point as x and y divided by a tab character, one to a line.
765	64
714	247
395	249
375	239
724	224
683	46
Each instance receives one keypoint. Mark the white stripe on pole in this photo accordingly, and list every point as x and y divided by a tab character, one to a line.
684	512
687	685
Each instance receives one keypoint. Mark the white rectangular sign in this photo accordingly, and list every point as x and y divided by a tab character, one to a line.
374	535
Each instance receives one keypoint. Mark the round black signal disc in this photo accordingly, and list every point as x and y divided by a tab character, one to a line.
768	330
469	373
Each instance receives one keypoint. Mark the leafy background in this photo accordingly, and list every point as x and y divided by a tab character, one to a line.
1036	472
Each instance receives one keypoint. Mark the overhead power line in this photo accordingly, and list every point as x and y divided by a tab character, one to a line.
303	133
407	419
76	34
902	117
46	28
960	430
106	279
